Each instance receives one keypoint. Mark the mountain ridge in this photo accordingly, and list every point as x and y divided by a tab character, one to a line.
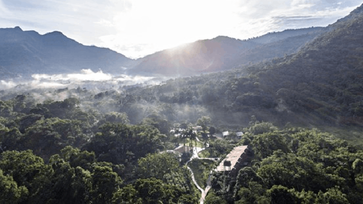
320	85
28	52
221	53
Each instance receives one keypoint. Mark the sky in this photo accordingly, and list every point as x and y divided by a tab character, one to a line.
137	28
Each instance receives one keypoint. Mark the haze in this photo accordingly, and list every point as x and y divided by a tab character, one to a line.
140	27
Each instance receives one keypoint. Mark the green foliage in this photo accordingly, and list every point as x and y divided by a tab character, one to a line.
320	85
282	195
150	191
24	178
10	192
263	127
265	144
158	165
120	143
212	198
201	170
78	158
218	148
104	183
29	172
115	117
49	136
204	121
70	184
298	166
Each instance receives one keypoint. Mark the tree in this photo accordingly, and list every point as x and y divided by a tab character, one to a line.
188	199
63	179
121	143
265	144
212	130
158	122
282	195
332	195
49	136
10	138
115	117
245	176
204	121
212	198
157	165
76	158
5	109
293	172
29	171
127	195
10	192
105	183
263	127
152	190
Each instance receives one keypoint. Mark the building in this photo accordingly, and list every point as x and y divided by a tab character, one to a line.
234	161
239	135
225	133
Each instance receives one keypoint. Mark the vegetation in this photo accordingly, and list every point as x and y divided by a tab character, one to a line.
75	145
201	170
55	152
295	166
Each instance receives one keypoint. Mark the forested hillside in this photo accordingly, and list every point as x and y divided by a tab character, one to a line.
321	84
54	152
223	53
65	152
301	117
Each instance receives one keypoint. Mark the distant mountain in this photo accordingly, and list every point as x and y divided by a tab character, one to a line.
223	53
199	57
321	84
27	52
276	45
23	53
278	36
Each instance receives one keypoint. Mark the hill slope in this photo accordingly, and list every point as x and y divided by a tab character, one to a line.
223	53
326	77
322	84
27	52
23	53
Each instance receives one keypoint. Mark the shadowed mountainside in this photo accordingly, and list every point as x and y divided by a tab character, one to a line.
223	53
27	52
321	84
23	53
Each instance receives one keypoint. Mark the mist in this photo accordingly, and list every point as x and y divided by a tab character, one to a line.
86	78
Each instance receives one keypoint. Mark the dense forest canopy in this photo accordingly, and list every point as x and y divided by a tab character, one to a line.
301	117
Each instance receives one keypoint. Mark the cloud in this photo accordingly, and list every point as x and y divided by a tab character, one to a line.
7	84
3	9
86	79
155	25
79	20
267	16
85	75
139	27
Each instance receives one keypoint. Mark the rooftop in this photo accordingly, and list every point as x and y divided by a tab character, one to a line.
233	157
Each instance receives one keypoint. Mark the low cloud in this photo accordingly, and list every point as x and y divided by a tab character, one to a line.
85	75
85	79
140	27
7	84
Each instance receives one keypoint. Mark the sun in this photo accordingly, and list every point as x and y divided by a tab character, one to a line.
162	24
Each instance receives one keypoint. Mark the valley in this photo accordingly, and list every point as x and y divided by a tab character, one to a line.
82	124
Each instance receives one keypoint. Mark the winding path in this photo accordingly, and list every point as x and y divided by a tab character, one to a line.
204	192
